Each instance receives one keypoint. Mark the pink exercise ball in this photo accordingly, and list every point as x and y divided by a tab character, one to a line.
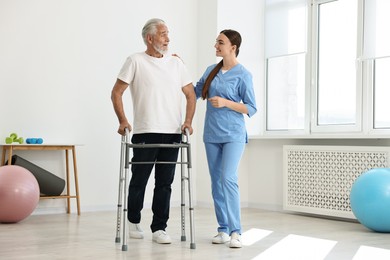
19	193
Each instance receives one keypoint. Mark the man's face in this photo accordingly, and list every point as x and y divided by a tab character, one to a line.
160	40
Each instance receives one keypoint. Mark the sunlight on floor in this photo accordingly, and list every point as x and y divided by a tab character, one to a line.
301	247
367	252
253	235
298	247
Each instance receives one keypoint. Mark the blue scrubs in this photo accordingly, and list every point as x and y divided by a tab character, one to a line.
225	137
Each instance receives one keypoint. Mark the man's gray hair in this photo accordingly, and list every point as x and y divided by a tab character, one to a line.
150	27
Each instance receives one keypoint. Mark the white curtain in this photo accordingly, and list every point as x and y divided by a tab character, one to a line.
285	27
376	29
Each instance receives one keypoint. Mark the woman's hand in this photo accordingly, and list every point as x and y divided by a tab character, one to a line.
220	102
217	101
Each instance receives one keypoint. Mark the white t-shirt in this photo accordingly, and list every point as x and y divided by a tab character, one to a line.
156	90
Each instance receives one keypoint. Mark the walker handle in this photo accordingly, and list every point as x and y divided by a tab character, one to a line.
127	135
187	134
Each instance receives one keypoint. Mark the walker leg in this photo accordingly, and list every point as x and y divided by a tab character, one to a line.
125	190
191	208
183	205
120	190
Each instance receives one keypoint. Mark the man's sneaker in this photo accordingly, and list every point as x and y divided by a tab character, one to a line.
221	238
135	231
161	237
235	240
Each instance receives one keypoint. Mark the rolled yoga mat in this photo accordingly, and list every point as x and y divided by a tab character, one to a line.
49	184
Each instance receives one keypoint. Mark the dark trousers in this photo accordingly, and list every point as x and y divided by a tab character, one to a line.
163	177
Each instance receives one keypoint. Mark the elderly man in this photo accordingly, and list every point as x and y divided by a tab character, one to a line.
157	82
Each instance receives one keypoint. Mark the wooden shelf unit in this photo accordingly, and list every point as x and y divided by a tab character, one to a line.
46	147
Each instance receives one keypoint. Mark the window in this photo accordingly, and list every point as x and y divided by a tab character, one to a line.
285	50
377	56
286	92
336	60
327	66
382	93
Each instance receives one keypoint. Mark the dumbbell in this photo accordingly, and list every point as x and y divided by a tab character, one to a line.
13	138
34	140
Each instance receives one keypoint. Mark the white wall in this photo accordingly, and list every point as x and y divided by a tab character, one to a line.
59	61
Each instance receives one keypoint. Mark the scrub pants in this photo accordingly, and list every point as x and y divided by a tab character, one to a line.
163	177
223	161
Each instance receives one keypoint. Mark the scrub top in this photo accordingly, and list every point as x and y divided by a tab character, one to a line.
224	125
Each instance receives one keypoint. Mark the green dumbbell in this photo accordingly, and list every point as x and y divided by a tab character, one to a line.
13	138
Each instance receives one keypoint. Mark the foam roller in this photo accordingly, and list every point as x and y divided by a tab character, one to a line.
49	184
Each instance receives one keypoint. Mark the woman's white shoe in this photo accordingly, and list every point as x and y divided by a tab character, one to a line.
235	240
221	238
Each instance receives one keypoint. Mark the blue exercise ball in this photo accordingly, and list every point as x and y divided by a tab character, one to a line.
370	199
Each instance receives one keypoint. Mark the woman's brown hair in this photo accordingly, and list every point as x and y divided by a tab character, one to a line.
235	39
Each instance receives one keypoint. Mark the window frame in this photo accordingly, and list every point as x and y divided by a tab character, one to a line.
336	128
364	125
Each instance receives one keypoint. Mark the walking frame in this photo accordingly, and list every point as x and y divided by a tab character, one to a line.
185	149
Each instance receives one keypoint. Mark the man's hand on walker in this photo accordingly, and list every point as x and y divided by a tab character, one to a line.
122	128
189	127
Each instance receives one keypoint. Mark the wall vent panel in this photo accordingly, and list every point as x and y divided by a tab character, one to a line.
318	179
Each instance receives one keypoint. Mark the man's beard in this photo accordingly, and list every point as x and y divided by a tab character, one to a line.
159	50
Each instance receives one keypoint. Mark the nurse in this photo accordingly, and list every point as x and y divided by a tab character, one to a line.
228	89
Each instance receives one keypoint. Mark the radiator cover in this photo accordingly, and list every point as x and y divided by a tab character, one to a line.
318	179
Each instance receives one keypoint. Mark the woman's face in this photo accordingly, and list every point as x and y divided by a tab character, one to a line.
223	46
